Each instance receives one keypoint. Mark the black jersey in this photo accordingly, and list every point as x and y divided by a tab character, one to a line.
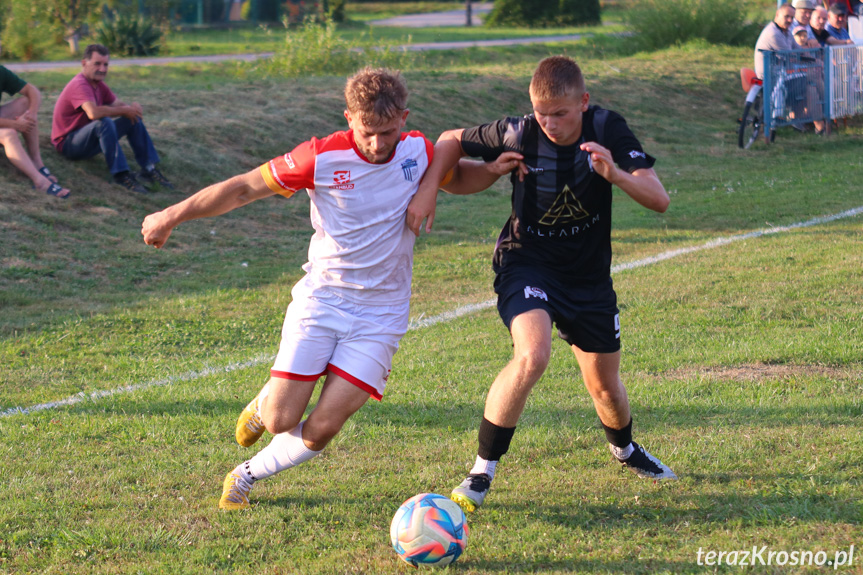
561	212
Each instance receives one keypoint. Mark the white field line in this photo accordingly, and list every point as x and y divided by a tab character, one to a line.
422	322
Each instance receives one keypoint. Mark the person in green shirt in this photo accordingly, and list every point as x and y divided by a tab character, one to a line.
19	118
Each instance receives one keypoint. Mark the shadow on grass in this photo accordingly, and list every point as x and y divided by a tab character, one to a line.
459	417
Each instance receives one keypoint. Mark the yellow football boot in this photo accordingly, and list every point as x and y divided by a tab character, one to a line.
235	492
250	428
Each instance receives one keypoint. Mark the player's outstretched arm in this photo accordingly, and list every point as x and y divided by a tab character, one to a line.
211	201
447	152
642	185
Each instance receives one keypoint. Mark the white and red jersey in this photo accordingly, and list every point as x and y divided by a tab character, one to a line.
362	249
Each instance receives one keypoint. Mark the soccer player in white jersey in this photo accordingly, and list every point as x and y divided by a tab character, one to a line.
350	310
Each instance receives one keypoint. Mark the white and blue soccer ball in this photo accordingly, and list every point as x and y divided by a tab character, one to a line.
429	529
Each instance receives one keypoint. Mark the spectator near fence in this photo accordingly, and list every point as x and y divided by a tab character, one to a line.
802	15
802	39
791	84
818	24
775	36
837	23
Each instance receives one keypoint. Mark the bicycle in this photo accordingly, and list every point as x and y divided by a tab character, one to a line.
751	123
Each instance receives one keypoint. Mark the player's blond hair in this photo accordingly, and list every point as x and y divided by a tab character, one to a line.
556	77
376	95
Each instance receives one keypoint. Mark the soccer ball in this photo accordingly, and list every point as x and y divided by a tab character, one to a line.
429	529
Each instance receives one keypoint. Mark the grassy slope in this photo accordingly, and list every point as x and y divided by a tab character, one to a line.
742	363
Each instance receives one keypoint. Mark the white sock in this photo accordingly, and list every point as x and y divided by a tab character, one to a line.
621	453
484	466
286	450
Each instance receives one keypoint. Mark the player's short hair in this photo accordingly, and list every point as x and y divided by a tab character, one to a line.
376	95
556	77
97	48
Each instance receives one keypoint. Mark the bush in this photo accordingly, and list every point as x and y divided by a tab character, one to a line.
661	23
539	13
24	30
316	49
129	35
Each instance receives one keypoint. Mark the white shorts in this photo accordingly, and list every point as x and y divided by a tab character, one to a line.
356	342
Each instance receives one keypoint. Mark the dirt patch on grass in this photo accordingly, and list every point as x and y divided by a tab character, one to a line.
103	211
16	262
761	371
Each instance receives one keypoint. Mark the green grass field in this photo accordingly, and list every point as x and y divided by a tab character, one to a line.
743	362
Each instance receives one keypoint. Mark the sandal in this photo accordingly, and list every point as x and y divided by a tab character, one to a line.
47	173
57	191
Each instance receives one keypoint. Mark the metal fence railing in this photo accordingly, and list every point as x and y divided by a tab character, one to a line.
802	86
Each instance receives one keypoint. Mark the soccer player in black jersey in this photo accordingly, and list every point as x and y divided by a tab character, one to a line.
553	257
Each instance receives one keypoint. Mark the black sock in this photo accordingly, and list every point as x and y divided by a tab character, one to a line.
493	440
619	437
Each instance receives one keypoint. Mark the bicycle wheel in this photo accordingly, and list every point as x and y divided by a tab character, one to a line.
750	123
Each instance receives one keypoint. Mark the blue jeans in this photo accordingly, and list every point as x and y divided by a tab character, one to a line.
104	136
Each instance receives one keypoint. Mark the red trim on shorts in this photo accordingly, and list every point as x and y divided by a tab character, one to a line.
295	376
361	384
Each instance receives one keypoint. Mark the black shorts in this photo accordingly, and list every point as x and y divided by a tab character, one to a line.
586	316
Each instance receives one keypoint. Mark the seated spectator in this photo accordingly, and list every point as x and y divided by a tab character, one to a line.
818	23
19	118
802	39
837	23
802	15
812	89
775	36
89	119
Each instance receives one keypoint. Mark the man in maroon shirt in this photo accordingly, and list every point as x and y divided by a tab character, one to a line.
89	119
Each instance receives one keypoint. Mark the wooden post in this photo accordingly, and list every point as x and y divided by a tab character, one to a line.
468	21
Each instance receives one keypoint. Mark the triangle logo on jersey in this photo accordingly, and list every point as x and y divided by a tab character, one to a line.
566	208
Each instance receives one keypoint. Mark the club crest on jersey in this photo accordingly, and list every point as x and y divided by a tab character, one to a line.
410	169
530	292
342	180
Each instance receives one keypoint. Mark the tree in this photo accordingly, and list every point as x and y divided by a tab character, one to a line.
73	17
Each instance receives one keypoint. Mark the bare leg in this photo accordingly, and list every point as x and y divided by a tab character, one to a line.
283	409
286	403
601	372
339	400
20	159
531	337
14	109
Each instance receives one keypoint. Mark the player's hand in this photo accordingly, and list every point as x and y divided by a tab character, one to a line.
156	230
422	207
134	112
25	122
506	163
603	163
